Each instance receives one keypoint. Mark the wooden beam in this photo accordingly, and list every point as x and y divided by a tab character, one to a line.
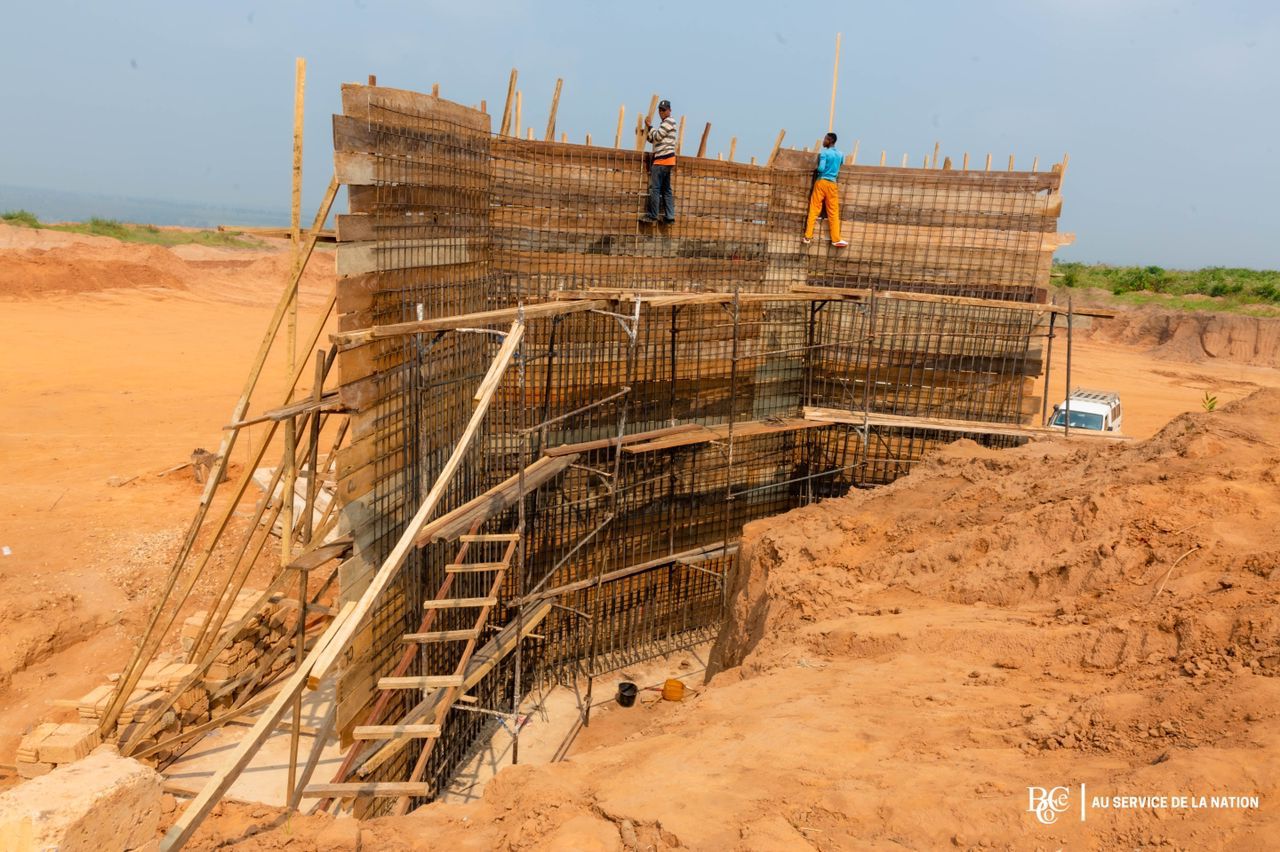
707	434
386	732
517	130
372	788
395	559
777	145
686	557
938	424
555	106
480	318
733	147
702	143
505	128
1033	307
680	138
456	522
604	443
617	137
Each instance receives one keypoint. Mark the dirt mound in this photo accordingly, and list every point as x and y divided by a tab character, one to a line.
1191	337
900	667
84	267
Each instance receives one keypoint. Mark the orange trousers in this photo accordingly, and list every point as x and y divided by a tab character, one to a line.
824	192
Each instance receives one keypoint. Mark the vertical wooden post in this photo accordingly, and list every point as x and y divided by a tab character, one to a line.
373	79
777	146
289	484
904	159
1035	163
853	158
435	90
937	147
702	143
564	137
733	146
588	140
946	164
484	106
964	163
883	155
653	107
753	161
680	138
555	105
617	137
505	127
988	161
518	130
1010	162
530	134
835	78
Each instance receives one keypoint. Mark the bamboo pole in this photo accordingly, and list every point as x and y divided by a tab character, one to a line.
835	78
133	672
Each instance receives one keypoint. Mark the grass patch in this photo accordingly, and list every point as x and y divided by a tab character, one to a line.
1216	288
146	234
21	218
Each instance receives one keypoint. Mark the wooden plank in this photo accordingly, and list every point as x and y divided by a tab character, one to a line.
313	559
898	295
490	537
386	732
396	558
475	567
419	682
606	443
380	103
856	418
456	603
366	257
721	433
452	524
480	318
441	636
686	557
375	788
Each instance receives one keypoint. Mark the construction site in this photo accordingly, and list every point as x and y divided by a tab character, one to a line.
529	444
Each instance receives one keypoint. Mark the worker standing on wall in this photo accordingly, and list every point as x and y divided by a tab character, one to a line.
663	138
825	192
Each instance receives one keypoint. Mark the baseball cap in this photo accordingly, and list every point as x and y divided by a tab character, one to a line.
664	104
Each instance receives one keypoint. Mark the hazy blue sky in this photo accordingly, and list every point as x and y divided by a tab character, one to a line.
1167	109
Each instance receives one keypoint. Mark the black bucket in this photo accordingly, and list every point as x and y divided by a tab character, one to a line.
627	693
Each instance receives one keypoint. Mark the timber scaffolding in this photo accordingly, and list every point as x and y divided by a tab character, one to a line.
547	424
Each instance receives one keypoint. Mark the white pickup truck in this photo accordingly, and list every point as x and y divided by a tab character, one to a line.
1098	411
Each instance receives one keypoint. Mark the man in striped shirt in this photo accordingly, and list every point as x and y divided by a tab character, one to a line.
663	138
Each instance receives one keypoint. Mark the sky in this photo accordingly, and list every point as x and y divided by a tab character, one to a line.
1169	111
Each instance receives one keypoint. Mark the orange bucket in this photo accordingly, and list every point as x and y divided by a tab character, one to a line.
673	690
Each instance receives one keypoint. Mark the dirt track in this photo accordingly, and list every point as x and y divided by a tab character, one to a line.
1027	649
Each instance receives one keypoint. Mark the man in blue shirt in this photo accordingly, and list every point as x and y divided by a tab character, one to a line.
825	191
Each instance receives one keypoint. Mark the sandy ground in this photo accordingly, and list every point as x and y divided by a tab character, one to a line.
849	725
110	385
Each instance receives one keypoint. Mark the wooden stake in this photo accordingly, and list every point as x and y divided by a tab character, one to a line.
777	146
853	158
640	137
937	146
530	134
988	161
505	127
680	138
373	79
564	137
964	163
435	90
555	105
883	155
904	159
946	164
753	161
617	137
588	140
1035	163
702	143
484	106
1010	162
733	146
835	78
518	131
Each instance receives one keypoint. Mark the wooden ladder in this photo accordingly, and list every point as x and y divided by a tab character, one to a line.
451	683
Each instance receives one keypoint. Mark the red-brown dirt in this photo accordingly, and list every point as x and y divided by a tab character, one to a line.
901	665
